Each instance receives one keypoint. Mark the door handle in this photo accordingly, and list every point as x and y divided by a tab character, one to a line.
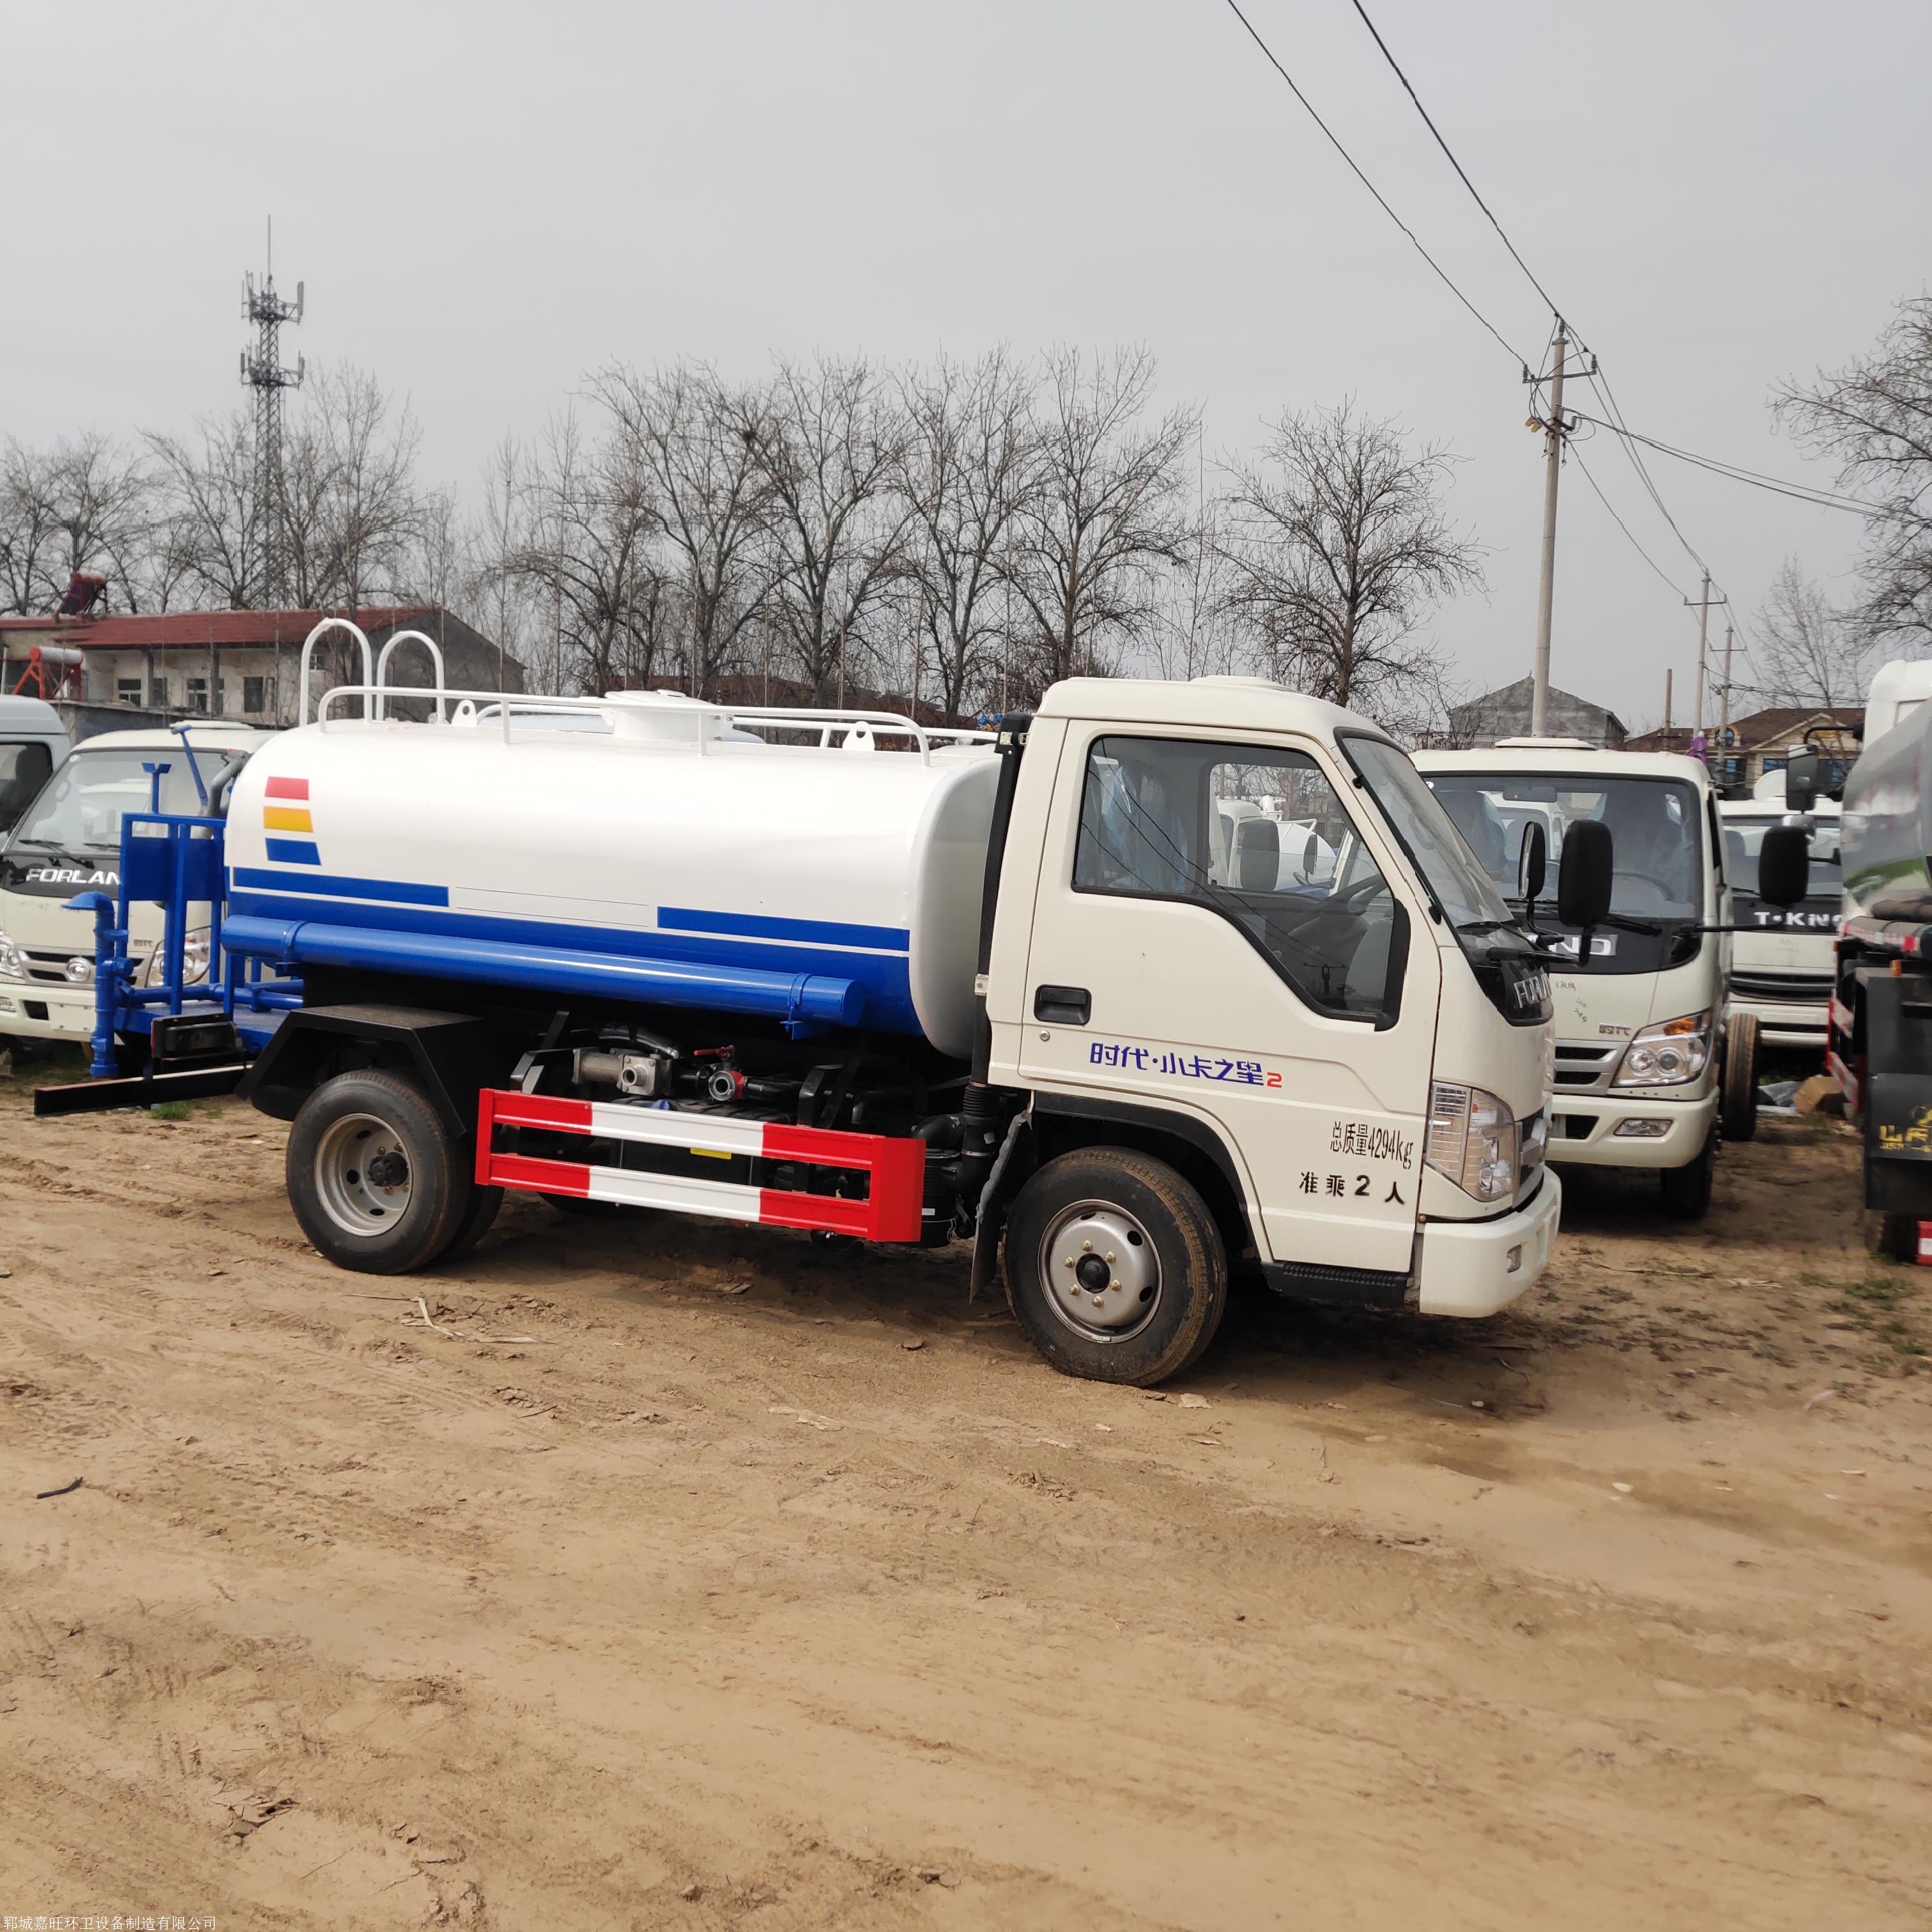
1065	1006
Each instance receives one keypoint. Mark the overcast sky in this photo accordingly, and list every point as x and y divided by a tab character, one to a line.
486	201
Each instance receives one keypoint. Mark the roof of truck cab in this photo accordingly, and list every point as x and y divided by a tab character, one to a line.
33	715
216	732
1568	762
1217	703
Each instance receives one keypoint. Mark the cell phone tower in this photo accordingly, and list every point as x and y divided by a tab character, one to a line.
262	370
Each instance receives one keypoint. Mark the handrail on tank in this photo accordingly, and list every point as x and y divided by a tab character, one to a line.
368	686
507	704
429	644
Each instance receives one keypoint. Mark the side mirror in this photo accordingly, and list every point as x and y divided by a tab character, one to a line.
1533	863
1311	857
1801	780
1585	874
1784	866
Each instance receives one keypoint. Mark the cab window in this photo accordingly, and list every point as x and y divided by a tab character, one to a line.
24	769
1257	836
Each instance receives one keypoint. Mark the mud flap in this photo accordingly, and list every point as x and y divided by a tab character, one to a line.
991	1218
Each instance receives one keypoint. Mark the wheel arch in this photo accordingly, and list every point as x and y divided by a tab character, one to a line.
449	1056
1191	1147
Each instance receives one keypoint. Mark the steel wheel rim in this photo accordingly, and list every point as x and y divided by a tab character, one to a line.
357	1203
1083	1242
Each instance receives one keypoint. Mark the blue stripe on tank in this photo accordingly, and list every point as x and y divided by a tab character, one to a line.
887	977
756	925
294	852
399	891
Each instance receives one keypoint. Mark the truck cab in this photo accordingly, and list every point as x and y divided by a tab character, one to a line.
1640	1039
1782	958
67	842
33	742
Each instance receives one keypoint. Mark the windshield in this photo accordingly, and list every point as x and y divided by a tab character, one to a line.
1467	895
1743	839
80	811
1657	834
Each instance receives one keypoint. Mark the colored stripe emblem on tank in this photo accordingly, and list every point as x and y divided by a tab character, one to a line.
804	932
892	1209
291	815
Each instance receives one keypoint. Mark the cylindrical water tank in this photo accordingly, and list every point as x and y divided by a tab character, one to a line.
1885	834
826	887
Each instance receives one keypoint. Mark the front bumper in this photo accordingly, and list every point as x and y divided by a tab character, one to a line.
1475	1267
1583	1128
39	1009
1787	1022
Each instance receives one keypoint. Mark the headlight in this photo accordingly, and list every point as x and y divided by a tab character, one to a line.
13	960
1472	1139
194	960
1667	1055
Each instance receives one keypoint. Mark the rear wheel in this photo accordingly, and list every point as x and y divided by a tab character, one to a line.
1739	1106
1686	1190
478	1218
375	1178
1114	1267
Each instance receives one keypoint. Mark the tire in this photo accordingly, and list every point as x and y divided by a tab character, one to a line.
1167	1259
1686	1190
1891	1237
477	1218
1738	1108
384	1225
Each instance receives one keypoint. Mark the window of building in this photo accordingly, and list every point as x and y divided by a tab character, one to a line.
197	695
128	690
254	696
1255	835
158	693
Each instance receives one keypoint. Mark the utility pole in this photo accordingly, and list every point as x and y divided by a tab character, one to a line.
1554	431
1703	603
1724	708
1667	707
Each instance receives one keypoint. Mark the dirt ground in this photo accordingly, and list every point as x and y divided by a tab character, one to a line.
736	1582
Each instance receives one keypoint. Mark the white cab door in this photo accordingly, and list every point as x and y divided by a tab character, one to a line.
1213	933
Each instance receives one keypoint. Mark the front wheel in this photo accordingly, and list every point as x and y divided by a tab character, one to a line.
1686	1190
375	1179
1739	1106
1114	1267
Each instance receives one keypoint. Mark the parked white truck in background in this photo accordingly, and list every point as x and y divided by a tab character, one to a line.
1173	981
67	841
1781	956
1643	1056
33	743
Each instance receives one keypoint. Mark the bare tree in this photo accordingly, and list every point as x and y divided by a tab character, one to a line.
968	459
207	503
1104	509
689	433
831	444
1807	652
86	505
368	505
1875	416
1339	548
587	549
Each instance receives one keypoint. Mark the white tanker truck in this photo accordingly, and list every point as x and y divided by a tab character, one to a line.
1168	981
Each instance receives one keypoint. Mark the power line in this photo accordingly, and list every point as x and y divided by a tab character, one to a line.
1662	575
1824	499
1462	174
1442	273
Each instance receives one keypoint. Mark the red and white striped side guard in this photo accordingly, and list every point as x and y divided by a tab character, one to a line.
891	1212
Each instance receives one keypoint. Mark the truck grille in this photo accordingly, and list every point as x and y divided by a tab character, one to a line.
1582	1066
50	967
1809	988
